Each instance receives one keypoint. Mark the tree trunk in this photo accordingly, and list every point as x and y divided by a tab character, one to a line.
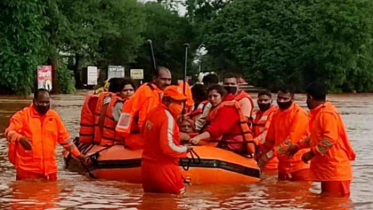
52	60
78	80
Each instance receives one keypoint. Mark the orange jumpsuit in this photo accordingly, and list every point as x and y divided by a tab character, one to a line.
333	152
288	127
261	124
146	98
43	133
188	93
162	150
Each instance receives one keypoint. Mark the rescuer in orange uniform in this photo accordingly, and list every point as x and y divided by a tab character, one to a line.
162	150
331	152
134	111
32	134
243	98
262	121
289	124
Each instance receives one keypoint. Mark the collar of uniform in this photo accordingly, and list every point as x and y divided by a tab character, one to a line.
155	87
35	114
314	111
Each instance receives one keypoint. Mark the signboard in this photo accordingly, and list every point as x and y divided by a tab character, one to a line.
115	72
188	78
137	73
92	75
45	77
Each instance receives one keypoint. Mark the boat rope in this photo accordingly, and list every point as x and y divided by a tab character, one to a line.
195	158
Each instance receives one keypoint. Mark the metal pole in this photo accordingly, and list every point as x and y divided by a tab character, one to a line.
154	65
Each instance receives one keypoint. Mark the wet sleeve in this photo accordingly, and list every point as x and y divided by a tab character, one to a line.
260	139
269	142
167	137
329	125
201	120
64	138
226	118
14	131
299	127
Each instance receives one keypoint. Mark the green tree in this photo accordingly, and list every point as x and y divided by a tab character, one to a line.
169	32
22	42
296	42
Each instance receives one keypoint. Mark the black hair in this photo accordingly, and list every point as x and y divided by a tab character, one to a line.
230	75
210	79
317	90
287	89
265	92
158	69
36	93
115	85
218	89
127	81
198	91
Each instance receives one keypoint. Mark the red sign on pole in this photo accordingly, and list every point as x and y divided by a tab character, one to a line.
45	77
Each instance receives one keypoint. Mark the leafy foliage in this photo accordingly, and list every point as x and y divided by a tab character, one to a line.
22	43
296	42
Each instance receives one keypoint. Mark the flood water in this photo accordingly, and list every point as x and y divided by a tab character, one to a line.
74	191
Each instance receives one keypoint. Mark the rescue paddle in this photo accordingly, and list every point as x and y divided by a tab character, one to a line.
154	65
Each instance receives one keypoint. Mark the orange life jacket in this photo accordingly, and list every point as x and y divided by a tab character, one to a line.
87	119
109	135
98	128
261	120
198	111
246	131
242	94
132	118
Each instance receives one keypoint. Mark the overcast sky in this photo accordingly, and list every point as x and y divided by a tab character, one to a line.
181	8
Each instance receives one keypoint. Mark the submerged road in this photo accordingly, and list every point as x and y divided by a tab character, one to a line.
74	191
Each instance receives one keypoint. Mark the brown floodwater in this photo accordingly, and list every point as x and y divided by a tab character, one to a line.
74	191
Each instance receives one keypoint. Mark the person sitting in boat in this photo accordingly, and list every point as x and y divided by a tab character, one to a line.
200	100
226	122
89	132
187	126
125	89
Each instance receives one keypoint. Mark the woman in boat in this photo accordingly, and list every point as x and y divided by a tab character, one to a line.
225	122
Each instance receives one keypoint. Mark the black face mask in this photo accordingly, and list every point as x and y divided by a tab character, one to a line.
284	105
230	89
264	107
42	109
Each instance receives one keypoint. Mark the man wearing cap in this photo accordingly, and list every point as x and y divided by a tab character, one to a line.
160	158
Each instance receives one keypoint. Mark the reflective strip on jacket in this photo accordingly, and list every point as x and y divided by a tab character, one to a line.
44	132
330	143
162	144
287	128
